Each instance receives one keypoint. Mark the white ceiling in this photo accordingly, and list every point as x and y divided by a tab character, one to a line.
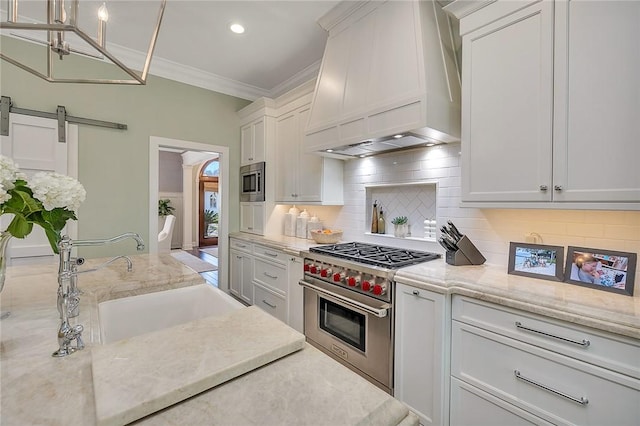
280	49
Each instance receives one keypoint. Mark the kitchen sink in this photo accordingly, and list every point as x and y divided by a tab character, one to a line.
136	315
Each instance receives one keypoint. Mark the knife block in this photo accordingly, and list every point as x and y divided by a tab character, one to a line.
467	254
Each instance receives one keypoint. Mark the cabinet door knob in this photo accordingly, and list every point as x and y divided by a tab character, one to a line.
250	158
558	187
416	293
543	187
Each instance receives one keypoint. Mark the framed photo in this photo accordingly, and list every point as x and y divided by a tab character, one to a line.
602	269
536	261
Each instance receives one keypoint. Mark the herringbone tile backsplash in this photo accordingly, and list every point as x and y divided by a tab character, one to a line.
417	202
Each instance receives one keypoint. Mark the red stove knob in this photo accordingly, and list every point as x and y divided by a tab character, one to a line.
353	281
325	272
379	290
338	276
307	267
366	286
314	269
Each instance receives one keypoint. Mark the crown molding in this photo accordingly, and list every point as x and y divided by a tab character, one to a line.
461	8
164	68
309	73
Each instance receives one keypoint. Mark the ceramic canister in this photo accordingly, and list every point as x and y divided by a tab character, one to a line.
301	224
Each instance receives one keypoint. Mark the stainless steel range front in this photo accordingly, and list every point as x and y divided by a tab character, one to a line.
348	304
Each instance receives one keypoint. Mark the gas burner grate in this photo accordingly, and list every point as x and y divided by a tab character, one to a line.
371	254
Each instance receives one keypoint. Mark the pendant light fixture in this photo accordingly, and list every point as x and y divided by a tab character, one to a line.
61	21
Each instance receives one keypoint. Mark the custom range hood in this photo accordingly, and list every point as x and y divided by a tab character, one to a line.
389	80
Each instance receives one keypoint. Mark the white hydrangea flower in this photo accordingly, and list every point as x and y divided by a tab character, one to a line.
9	173
4	195
55	190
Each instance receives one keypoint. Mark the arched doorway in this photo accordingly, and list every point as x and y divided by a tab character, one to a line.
209	211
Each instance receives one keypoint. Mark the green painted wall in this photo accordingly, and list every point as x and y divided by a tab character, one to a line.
114	164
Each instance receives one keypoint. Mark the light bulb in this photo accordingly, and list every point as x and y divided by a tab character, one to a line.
103	13
237	28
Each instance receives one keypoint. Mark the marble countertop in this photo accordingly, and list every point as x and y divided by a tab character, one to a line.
305	387
599	309
291	245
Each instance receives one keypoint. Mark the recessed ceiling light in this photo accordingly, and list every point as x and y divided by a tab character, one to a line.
398	136
237	28
329	150
430	144
362	156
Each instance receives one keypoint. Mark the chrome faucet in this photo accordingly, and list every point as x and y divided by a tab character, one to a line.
69	293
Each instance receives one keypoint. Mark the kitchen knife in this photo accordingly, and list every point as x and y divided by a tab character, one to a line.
446	231
455	231
445	244
451	242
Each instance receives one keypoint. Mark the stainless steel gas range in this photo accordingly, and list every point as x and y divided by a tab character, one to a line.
348	304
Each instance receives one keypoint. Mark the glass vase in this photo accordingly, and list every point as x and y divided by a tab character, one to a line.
4	243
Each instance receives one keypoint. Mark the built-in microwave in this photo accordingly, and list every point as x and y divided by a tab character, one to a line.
252	182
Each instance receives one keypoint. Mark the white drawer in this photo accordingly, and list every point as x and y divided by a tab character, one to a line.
241	245
606	350
472	406
270	302
271	254
271	275
547	384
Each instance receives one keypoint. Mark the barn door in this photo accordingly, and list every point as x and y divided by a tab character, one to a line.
33	144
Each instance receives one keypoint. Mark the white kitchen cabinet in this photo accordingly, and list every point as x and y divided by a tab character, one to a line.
546	120
303	178
267	277
419	371
270	301
241	275
597	101
252	218
295	293
253	139
507	111
479	408
561	373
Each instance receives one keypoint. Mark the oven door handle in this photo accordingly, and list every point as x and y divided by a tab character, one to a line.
379	312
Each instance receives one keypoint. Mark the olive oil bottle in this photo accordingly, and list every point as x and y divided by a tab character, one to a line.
381	229
374	218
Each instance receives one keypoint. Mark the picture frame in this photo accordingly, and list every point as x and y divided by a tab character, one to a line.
536	261
606	270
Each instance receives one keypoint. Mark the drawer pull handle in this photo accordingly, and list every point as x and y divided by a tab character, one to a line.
582	400
271	254
584	343
416	293
241	245
275	277
269	304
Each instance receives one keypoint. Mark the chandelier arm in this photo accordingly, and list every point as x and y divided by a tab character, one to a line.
152	44
52	27
25	68
112	58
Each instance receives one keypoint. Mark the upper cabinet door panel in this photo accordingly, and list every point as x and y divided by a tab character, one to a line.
507	108
597	90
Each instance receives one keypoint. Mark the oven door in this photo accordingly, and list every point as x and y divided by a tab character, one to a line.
351	329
